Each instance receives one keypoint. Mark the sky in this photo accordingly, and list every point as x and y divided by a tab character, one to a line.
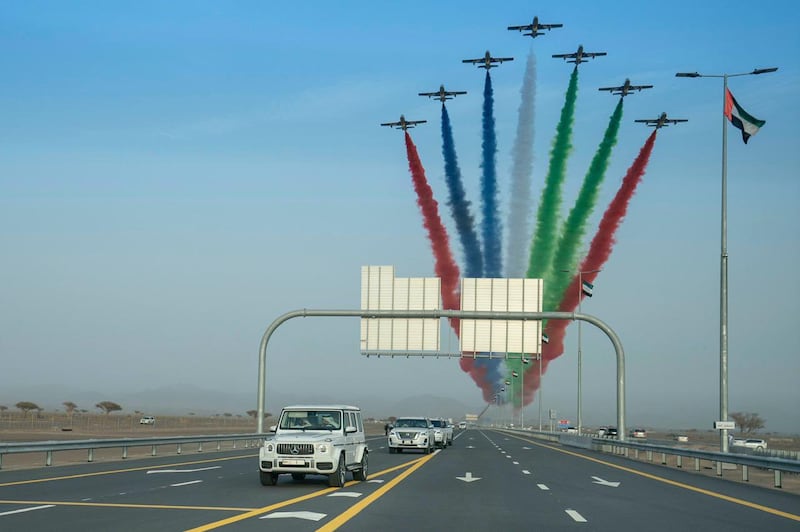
174	176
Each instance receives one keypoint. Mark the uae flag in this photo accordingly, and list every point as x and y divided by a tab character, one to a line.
588	288
739	117
514	374
545	339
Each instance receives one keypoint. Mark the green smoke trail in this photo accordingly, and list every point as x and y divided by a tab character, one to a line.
574	228
544	238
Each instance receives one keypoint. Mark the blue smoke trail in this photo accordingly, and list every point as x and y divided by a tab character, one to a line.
521	169
459	205
491	232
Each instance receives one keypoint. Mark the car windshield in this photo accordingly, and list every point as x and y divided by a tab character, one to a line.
411	423
311	420
437	423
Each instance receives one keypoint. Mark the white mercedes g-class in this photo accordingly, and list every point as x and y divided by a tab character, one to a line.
315	440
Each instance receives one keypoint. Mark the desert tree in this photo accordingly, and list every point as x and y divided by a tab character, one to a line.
252	413
108	406
748	422
69	407
3	408
27	406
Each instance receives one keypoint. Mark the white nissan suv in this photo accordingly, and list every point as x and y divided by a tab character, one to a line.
315	440
411	433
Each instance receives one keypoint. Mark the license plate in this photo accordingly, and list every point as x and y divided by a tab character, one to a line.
406	442
292	461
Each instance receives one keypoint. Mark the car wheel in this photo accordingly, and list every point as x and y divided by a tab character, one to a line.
298	476
268	479
363	471
336	479
427	450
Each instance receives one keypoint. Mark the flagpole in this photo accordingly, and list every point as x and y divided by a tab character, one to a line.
723	267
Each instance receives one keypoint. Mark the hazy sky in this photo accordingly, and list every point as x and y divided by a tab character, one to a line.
175	175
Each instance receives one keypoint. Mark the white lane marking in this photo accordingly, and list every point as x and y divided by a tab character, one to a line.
543	487
376	481
186	483
515	462
526	448
32	508
598	480
353	494
308	516
470	447
152	471
508	456
86	499
575	516
526	472
468	477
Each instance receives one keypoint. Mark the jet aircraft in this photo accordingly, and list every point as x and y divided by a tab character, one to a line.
534	28
578	57
625	89
442	94
403	123
661	121
487	61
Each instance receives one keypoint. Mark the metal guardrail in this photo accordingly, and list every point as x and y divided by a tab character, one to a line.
777	465
52	446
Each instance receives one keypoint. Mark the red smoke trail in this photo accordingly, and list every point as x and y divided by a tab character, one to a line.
599	251
445	266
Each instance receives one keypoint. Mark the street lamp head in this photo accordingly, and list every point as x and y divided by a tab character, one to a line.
687	75
764	70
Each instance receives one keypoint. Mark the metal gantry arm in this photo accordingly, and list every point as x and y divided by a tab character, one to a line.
431	314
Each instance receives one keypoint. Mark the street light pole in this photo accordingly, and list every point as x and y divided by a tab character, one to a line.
580	353
723	273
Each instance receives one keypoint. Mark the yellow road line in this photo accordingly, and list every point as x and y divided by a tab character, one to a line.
714	494
114	471
361	505
271	507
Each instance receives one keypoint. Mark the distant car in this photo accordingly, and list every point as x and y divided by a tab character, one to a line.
442	433
462	424
147	420
611	432
751	443
570	430
412	433
639	433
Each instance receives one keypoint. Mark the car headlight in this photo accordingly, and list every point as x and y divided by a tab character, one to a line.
323	448
393	434
268	447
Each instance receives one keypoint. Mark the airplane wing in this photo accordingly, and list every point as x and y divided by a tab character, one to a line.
647	121
564	56
411	123
611	89
501	59
457	92
640	87
676	120
520	28
593	54
550	26
428	94
473	61
391	124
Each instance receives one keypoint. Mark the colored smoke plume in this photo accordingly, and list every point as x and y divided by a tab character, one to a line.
491	230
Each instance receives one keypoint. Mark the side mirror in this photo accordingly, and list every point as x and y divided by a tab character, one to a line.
350	429
273	428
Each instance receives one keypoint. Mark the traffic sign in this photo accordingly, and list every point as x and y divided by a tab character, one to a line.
725	425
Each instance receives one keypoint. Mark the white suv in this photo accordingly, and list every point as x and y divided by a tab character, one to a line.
411	433
442	433
315	440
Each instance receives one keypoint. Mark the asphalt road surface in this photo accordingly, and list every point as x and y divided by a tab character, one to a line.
487	480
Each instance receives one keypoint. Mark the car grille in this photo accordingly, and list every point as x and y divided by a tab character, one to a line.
408	435
295	448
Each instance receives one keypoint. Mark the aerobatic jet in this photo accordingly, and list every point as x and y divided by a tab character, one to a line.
661	121
403	123
535	27
442	94
487	61
625	89
578	57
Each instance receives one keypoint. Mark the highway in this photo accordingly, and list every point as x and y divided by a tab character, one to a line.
487	480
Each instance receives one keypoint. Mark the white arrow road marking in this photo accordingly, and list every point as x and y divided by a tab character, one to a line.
308	516
543	487
470	447
598	480
28	509
576	516
344	494
376	481
468	477
186	483
526	472
526	448
182	470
